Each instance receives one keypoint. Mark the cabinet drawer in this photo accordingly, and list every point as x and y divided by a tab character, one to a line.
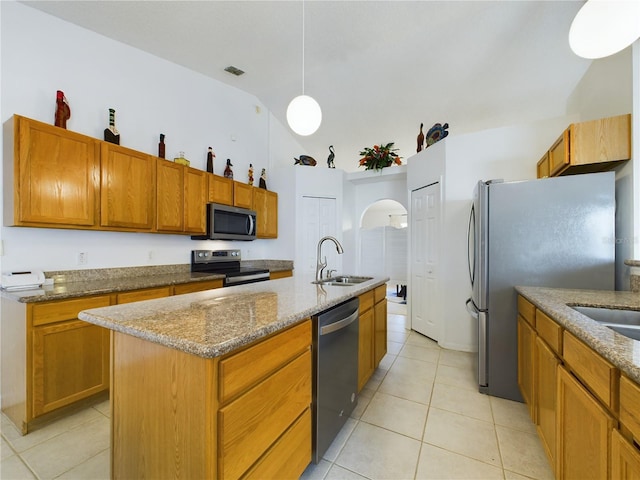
196	286
289	456
527	310
550	331
630	406
598	374
146	294
280	274
249	425
380	293
241	370
51	312
366	301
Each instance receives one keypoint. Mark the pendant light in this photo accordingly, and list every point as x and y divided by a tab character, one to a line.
604	27
303	113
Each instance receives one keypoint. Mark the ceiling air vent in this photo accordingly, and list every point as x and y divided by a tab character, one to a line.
233	70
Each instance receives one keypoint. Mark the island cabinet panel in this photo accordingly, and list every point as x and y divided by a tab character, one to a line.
280	274
372	334
252	423
584	428
289	456
128	188
162	418
366	331
240	371
56	175
380	324
167	420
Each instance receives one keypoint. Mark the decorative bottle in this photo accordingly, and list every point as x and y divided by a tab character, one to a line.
161	146
210	157
63	112
420	139
111	133
263	179
250	174
228	173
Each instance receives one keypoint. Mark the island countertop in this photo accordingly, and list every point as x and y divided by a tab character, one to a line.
621	351
214	322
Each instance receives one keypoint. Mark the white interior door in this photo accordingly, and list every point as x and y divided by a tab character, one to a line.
425	253
318	220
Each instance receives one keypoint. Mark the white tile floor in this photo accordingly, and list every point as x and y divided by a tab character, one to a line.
419	417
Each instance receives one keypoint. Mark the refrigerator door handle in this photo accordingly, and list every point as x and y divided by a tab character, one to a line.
471	309
472	268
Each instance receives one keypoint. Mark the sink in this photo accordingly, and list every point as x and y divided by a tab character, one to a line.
343	280
625	322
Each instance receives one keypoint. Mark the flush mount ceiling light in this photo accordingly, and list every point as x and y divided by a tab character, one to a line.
604	27
303	113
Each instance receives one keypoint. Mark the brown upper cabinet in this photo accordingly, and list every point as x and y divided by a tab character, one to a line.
181	198
220	190
56	176
128	188
61	179
265	203
242	195
586	147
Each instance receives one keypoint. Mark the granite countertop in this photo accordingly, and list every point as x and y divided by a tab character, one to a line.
621	351
82	283
215	322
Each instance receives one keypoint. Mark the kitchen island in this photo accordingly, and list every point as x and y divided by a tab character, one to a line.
216	384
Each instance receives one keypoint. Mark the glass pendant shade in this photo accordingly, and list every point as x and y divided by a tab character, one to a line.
304	115
604	27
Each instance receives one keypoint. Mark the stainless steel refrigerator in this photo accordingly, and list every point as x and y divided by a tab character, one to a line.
553	232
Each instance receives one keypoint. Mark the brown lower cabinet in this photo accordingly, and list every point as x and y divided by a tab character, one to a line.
246	414
372	335
52	360
587	414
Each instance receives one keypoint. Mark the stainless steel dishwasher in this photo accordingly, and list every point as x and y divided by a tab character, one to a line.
335	390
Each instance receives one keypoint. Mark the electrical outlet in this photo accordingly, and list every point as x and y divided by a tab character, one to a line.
83	258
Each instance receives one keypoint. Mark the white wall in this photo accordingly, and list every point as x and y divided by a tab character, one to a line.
459	161
41	54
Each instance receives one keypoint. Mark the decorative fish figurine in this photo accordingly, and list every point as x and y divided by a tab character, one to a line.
305	160
436	133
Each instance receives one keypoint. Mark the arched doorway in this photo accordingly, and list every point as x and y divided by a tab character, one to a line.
383	247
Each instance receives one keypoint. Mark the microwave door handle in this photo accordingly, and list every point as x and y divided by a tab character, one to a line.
250	219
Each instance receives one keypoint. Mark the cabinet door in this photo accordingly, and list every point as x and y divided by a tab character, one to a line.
526	366
70	361
220	190
56	176
265	203
625	458
583	428
543	166
128	191
545	391
195	201
196	286
380	333
365	347
170	196
559	154
242	195
145	294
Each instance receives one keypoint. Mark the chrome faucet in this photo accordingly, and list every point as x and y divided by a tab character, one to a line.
320	265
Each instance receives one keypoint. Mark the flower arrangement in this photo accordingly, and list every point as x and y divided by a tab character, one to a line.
379	156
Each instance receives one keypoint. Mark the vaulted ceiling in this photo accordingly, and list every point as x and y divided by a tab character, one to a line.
377	68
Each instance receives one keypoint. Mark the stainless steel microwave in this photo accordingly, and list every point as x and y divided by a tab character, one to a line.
229	223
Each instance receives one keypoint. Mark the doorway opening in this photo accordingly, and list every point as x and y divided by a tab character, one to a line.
383	249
